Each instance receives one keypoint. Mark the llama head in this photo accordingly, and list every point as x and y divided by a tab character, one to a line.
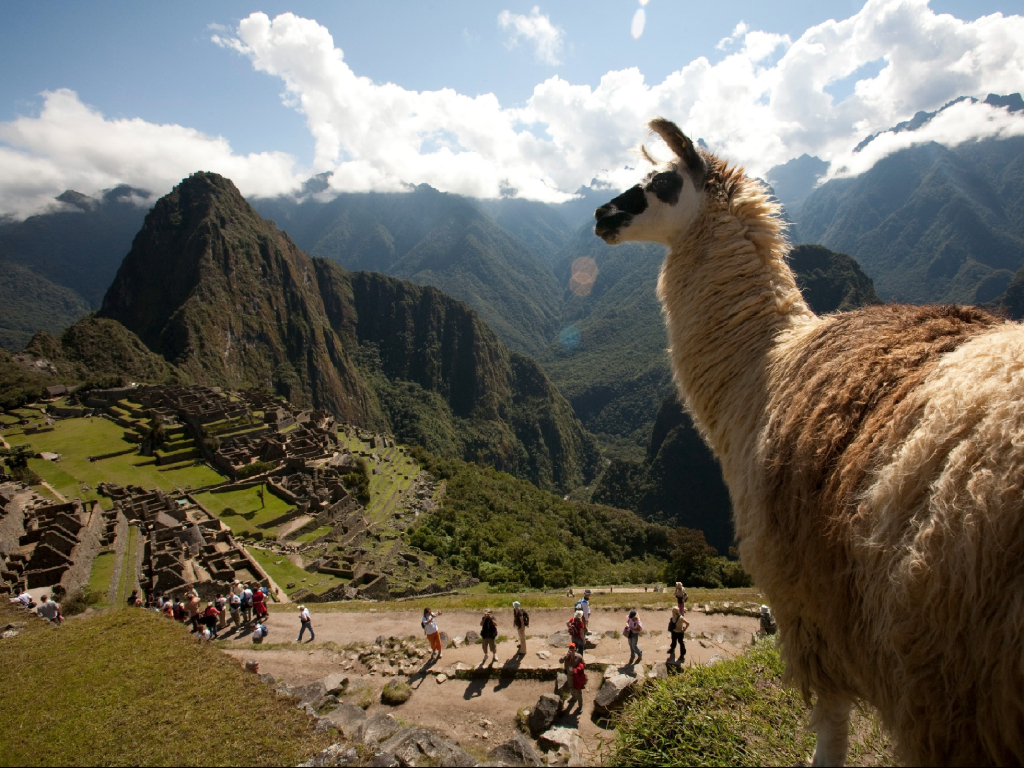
661	207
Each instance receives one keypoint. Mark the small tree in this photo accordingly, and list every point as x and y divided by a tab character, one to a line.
260	495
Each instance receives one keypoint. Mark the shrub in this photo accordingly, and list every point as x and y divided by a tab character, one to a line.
395	693
256	468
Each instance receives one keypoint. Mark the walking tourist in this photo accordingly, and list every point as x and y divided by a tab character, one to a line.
429	624
259	605
521	620
210	615
488	633
246	597
677	626
680	597
584	605
633	631
192	606
570	659
307	623
222	607
768	625
577	631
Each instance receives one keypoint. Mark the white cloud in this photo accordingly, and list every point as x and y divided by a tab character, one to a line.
636	28
547	39
72	146
765	102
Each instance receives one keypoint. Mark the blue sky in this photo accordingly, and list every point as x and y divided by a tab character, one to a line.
144	93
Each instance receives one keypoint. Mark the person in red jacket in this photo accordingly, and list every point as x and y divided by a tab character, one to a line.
210	618
579	682
259	605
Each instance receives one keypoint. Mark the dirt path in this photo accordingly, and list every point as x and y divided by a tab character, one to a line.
480	713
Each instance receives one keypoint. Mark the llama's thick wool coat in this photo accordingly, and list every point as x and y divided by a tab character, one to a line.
876	465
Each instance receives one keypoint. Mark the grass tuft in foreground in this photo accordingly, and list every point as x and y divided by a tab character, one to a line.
735	712
128	687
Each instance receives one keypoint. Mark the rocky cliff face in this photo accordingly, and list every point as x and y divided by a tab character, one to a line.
230	300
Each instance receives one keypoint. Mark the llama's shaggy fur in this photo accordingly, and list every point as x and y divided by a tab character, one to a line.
875	461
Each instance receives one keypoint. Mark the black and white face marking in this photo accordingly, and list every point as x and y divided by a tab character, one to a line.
615	215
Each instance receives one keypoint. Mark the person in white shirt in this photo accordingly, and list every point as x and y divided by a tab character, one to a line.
259	632
429	625
307	623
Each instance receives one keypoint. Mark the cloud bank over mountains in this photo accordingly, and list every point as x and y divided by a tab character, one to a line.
768	100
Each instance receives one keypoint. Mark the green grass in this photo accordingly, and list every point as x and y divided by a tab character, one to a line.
132	688
101	574
735	712
76	439
315	534
127	567
246	504
283	571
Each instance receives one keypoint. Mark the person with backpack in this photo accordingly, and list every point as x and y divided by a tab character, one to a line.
583	604
488	633
235	609
307	623
677	625
579	682
577	631
209	618
429	624
246	603
633	631
521	620
259	632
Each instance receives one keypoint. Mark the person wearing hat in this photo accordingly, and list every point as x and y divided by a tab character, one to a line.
569	661
521	620
307	623
577	631
633	631
488	633
768	625
583	604
677	627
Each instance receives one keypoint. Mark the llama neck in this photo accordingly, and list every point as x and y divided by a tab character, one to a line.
728	294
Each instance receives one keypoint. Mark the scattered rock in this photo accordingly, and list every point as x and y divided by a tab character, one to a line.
458	641
410	744
719	638
334	755
383	760
593	641
561	682
323	725
544	713
379	728
559	639
516	751
446	642
349	719
613	693
379	640
609	633
658	671
307	693
472	637
335	684
267	678
543	655
557	739
441	678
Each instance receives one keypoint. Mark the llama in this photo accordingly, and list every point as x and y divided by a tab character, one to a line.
875	461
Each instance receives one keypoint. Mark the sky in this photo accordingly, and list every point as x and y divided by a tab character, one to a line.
483	99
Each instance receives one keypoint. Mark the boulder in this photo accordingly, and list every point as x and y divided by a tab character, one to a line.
516	751
334	755
411	745
335	684
349	719
544	713
308	693
379	728
446	642
267	678
658	671
472	637
559	639
613	693
561	682
555	739
458	641
610	633
382	759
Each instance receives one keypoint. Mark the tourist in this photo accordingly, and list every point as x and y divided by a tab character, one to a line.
192	606
579	682
133	599
569	660
246	598
180	612
167	609
584	605
521	620
768	625
222	611
488	633
429	624
577	631
307	623
235	607
633	631
259	605
49	610
680	597
210	615
25	600
259	632
569	592
236	587
677	625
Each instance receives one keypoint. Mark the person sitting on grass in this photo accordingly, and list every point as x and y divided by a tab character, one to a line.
49	610
24	600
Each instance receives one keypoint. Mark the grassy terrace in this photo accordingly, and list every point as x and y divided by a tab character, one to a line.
128	687
76	439
284	572
248	511
100	576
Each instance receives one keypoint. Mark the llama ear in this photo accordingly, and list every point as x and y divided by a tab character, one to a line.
678	142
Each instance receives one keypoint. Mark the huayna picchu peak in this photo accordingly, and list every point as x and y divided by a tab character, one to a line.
229	299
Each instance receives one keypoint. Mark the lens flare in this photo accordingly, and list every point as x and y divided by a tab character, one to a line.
584	273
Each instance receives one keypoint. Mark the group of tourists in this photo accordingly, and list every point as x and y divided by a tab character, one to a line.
46	608
242	606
